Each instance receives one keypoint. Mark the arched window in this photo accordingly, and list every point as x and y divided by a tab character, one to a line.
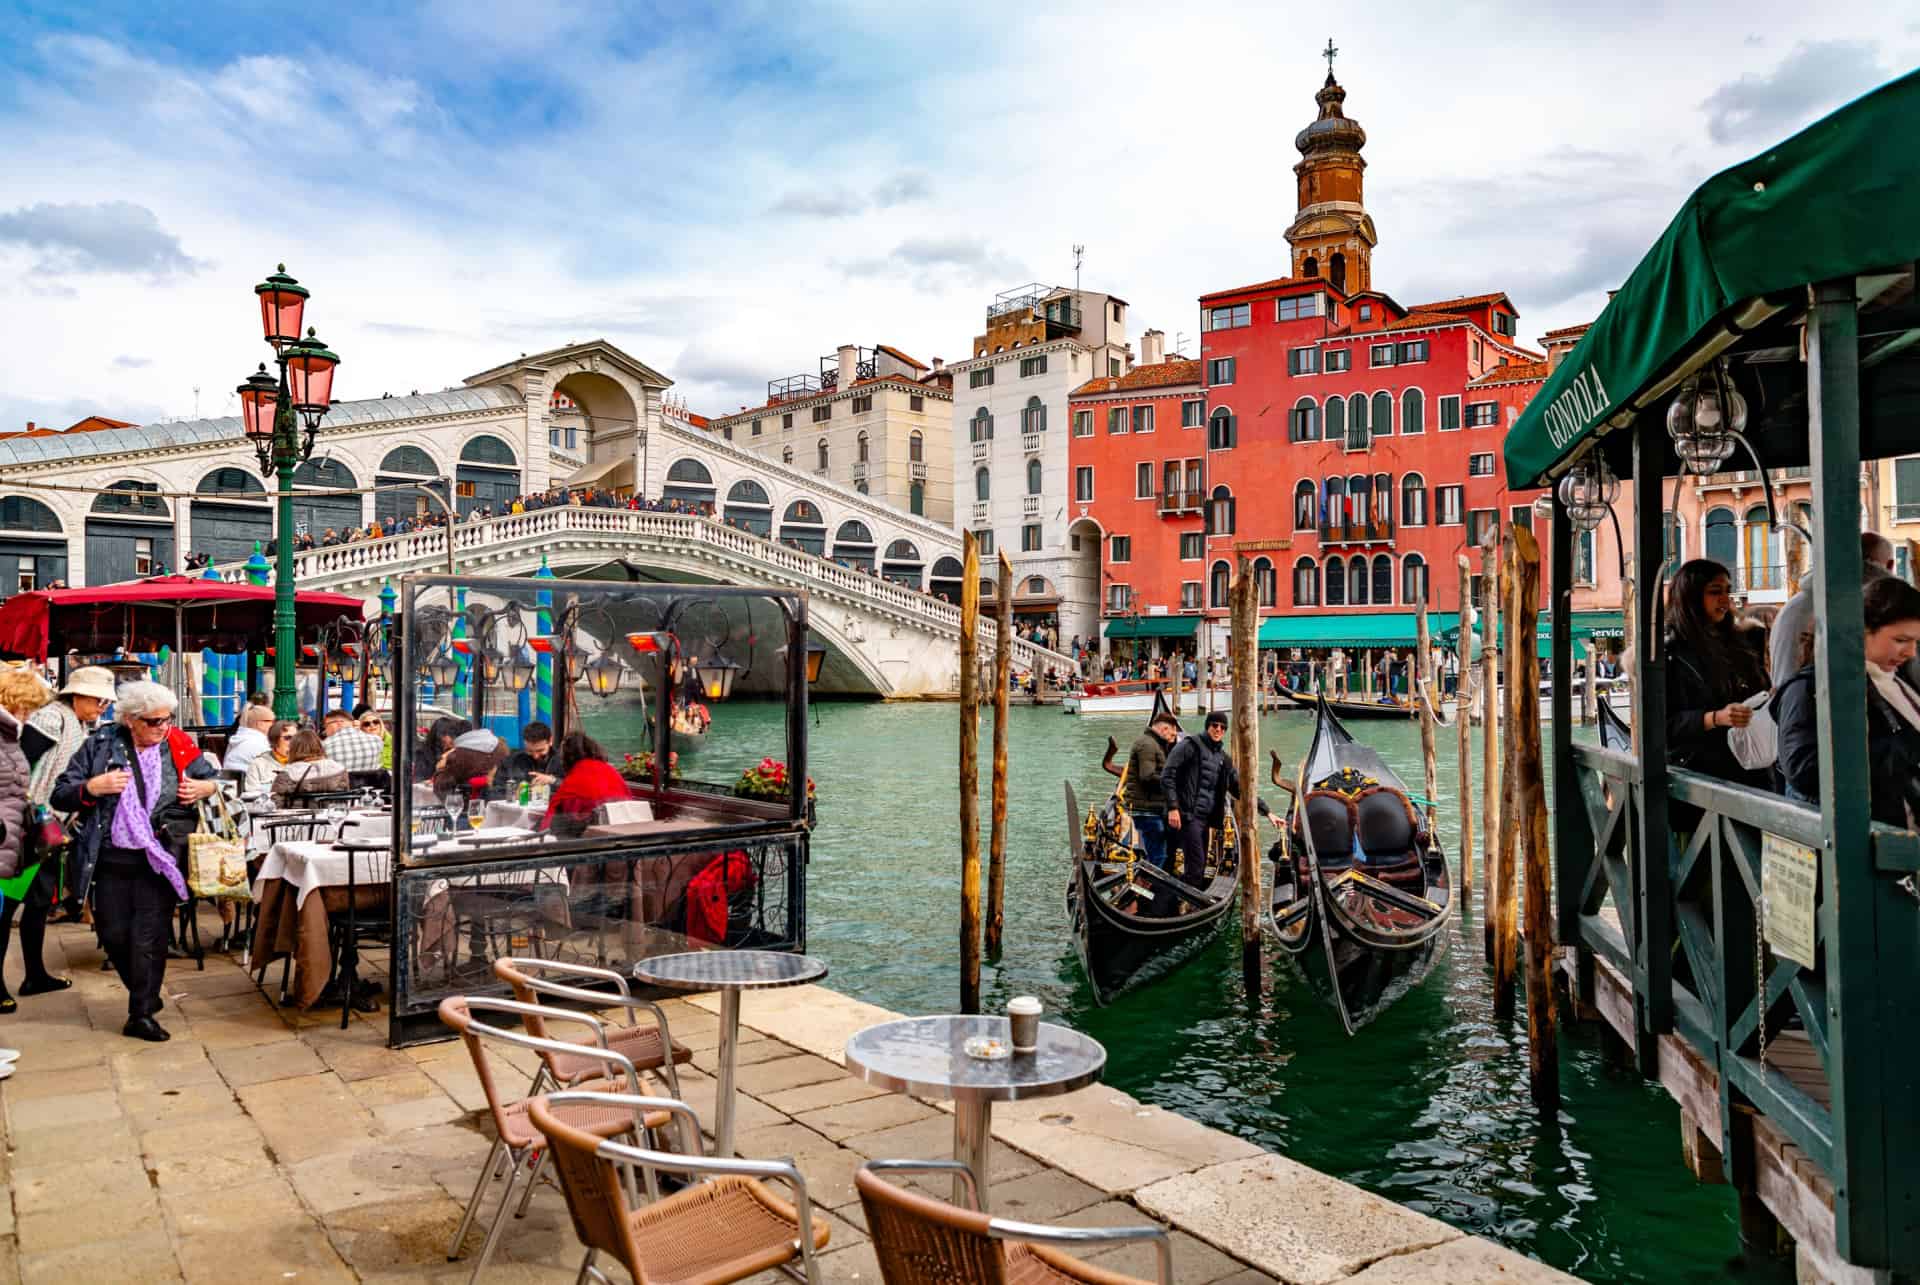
980	429
488	449
1413	500
1303	424
1360	491
1382	579
1033	419
1413	412
1763	572
982	484
1723	543
1310	267
1306	583
1033	477
1217	584
1383	499
326	473
19	513
232	481
1413	580
860	447
786	454
1357	580
804	528
822	457
1335	422
853	532
689	472
748	491
853	544
1265	581
1337	270
804	513
123	499
1303	514
1336	583
409	459
1220	512
1220	430
916	448
1357	435
902	551
1036	587
1382	414
1334	515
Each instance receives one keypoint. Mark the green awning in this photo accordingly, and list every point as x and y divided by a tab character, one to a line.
1840	198
1593	624
1378	629
1153	627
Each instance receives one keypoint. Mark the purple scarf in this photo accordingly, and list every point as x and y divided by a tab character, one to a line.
133	824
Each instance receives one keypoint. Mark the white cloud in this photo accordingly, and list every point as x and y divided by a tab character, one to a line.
106	236
1816	76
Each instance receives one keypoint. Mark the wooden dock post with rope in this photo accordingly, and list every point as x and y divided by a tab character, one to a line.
970	778
1002	687
1463	718
1243	646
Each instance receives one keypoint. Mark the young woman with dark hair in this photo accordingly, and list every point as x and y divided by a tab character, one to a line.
587	780
1712	668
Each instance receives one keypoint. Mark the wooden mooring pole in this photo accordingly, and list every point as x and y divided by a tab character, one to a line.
1463	718
1243	642
1489	727
1530	803
969	777
1426	697
1002	685
1522	704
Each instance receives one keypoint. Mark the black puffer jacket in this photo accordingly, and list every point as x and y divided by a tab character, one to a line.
13	796
1198	779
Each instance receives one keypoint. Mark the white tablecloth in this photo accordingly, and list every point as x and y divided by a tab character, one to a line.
312	865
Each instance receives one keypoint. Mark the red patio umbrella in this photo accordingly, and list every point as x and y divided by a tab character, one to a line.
181	612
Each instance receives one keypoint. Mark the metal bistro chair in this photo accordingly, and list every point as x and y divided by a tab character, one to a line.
646	1046
515	1139
920	1240
726	1228
294	826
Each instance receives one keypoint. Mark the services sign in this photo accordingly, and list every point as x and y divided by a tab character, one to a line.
1789	879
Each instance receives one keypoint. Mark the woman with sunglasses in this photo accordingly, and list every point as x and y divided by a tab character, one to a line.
133	789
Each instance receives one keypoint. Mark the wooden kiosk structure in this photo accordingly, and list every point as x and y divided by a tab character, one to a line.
1763	962
647	853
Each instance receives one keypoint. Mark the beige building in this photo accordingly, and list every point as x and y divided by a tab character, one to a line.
873	419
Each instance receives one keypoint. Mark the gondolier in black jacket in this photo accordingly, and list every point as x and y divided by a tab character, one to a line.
1198	778
1146	797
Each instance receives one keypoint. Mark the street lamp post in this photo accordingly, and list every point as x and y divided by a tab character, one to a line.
281	418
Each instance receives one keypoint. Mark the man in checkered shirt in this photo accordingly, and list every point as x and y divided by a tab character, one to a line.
347	745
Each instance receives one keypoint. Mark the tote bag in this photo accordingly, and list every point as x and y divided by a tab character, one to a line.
217	858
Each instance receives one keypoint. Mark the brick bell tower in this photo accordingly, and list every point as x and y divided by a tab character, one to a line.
1332	234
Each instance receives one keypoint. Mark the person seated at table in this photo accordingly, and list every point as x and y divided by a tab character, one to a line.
308	771
347	745
260	773
587	782
533	761
250	742
438	739
474	756
368	720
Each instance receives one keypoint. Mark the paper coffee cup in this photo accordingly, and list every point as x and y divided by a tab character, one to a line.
1023	1019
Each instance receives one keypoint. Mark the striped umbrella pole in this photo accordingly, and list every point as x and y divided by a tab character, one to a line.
543	661
460	698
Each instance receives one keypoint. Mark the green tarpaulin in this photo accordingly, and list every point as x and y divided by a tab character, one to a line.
1378	629
1839	198
1153	627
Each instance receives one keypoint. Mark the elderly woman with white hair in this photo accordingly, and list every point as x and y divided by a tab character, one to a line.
133	788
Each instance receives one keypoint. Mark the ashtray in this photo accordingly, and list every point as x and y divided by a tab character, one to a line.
987	1048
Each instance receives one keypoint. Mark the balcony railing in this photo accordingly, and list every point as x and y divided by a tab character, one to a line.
1906	513
860	470
1762	579
1182	501
1029	506
1367	531
980	450
917	471
1030	443
979	511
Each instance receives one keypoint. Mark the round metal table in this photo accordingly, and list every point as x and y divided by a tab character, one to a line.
925	1056
729	972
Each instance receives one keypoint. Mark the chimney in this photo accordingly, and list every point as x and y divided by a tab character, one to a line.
1153	348
937	363
29	426
849	362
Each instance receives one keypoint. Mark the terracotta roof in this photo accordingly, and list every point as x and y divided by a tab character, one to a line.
1566	332
1166	374
1463	303
1423	317
904	381
91	424
1514	372
1275	284
897	355
698	421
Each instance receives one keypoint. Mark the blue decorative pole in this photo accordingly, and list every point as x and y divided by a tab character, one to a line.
543	661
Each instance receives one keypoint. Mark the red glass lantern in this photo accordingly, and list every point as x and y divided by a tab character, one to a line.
310	368
283	304
259	402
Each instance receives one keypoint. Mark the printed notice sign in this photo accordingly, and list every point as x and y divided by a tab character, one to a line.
1789	875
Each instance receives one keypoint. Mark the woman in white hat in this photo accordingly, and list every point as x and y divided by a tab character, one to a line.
53	733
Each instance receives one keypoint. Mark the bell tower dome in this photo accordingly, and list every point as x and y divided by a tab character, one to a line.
1332	234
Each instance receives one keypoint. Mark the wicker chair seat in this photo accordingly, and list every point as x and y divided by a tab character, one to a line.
725	1229
601	1122
1043	1265
639	1044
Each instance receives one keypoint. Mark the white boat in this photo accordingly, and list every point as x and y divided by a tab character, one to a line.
1135	696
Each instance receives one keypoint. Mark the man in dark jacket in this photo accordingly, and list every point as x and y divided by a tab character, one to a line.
1197	779
1146	795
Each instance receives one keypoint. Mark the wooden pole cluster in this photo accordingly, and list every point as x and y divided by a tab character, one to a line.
1426	697
1462	717
1243	642
1490	727
1530	805
1522	705
1002	687
969	778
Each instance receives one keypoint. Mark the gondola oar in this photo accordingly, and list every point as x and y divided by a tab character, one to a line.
1113	748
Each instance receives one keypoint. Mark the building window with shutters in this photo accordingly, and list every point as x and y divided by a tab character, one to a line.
1218	583
1143	481
1447	505
1413	580
1193	546
1906	489
980	427
756	428
1479	523
1116	419
1336	583
1306	583
1335	360
1413	500
1303	361
1033	477
1413	412
1220	431
1033	418
1409	353
1193	412
1031	366
1220	512
1083	423
1483	414
1083	484
983	541
1480	464
1189	595
1122	549
1303	422
1143	419
823	413
1220	371
1382	425
1449	414
1119	597
1030	538
980	378
861	405
1358	438
1380	355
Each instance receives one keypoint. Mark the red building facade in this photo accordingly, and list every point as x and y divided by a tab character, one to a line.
1348	443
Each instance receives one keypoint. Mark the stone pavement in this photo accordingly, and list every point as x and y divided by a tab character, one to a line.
261	1145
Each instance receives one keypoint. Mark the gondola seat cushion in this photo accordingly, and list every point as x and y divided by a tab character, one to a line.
1330	822
1389	827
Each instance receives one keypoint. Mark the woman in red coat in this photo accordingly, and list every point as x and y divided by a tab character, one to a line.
587	781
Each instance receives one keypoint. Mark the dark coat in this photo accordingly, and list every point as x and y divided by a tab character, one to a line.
1893	748
1198	778
1696	686
13	797
93	817
1145	763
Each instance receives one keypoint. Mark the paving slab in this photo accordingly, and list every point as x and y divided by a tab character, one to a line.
1113	1140
867	1115
1290	1221
144	1255
256	1063
813	1018
297	1254
1466	1261
775	1074
829	1093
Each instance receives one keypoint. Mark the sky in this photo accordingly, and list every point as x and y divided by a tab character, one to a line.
728	193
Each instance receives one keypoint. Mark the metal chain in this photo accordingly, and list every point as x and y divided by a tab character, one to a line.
1760	974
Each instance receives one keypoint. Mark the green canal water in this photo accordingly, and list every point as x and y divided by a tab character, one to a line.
1428	1106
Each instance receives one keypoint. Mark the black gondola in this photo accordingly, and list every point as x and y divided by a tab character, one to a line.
1614	732
1132	921
1354	710
1362	897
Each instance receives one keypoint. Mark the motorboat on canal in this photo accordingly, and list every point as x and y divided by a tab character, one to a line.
1141	696
1362	898
1133	922
1359	710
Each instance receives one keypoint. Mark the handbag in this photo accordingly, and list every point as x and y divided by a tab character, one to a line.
46	834
217	857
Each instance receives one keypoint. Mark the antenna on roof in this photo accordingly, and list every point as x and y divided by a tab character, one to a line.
196	401
1079	253
1180	342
